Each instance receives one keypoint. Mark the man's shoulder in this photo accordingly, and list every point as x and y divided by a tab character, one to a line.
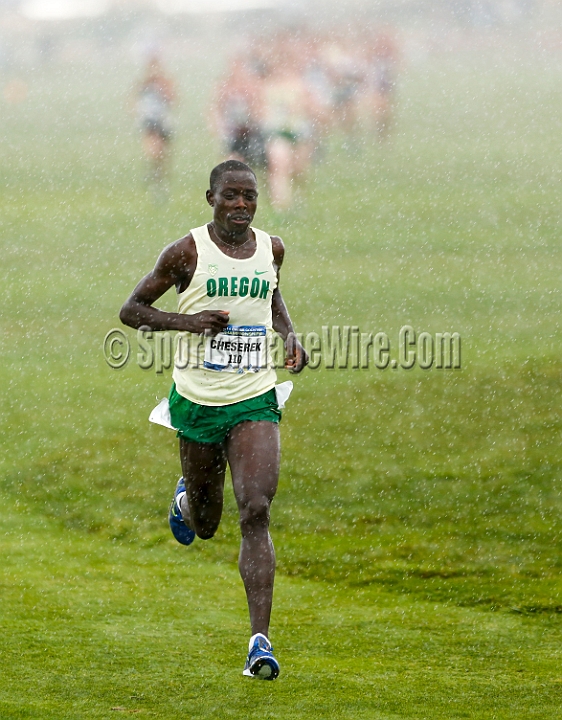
275	239
278	249
185	244
179	254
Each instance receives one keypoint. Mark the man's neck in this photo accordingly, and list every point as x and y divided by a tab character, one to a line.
231	239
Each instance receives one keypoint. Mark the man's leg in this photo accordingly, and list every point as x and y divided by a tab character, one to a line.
253	455
203	466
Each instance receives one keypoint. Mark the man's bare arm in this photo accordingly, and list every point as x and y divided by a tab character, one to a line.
175	266
296	356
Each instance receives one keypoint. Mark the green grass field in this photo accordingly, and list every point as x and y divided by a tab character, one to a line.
418	520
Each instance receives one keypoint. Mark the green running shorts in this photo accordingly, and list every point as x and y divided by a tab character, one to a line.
212	423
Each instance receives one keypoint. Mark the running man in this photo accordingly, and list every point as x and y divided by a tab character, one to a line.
223	400
237	114
155	96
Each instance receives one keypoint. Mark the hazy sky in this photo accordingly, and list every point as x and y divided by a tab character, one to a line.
57	9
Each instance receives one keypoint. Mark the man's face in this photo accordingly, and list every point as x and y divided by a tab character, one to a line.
234	201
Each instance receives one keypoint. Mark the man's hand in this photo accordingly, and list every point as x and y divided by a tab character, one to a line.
208	322
296	356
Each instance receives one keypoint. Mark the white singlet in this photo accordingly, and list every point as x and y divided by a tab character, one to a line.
234	365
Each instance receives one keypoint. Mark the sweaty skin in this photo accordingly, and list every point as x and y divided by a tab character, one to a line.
252	449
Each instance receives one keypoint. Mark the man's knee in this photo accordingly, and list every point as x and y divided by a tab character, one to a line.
255	513
204	527
205	533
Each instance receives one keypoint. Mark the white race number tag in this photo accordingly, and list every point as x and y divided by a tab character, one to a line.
239	348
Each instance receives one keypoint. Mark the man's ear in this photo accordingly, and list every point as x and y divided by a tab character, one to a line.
210	198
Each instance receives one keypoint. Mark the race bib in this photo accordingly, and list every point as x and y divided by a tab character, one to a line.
239	348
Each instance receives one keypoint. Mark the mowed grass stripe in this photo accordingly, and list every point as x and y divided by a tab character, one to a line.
95	625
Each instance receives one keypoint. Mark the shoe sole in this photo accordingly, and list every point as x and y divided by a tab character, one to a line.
262	669
182	533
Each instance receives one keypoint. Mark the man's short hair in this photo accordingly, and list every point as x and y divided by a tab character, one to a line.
224	167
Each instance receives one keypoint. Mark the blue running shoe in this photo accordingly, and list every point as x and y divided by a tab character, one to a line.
261	663
183	534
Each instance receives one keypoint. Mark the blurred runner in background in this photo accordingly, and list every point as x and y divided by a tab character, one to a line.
287	122
237	114
381	78
347	70
281	100
318	81
154	97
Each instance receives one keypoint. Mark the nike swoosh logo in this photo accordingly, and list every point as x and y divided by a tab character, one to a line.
260	273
